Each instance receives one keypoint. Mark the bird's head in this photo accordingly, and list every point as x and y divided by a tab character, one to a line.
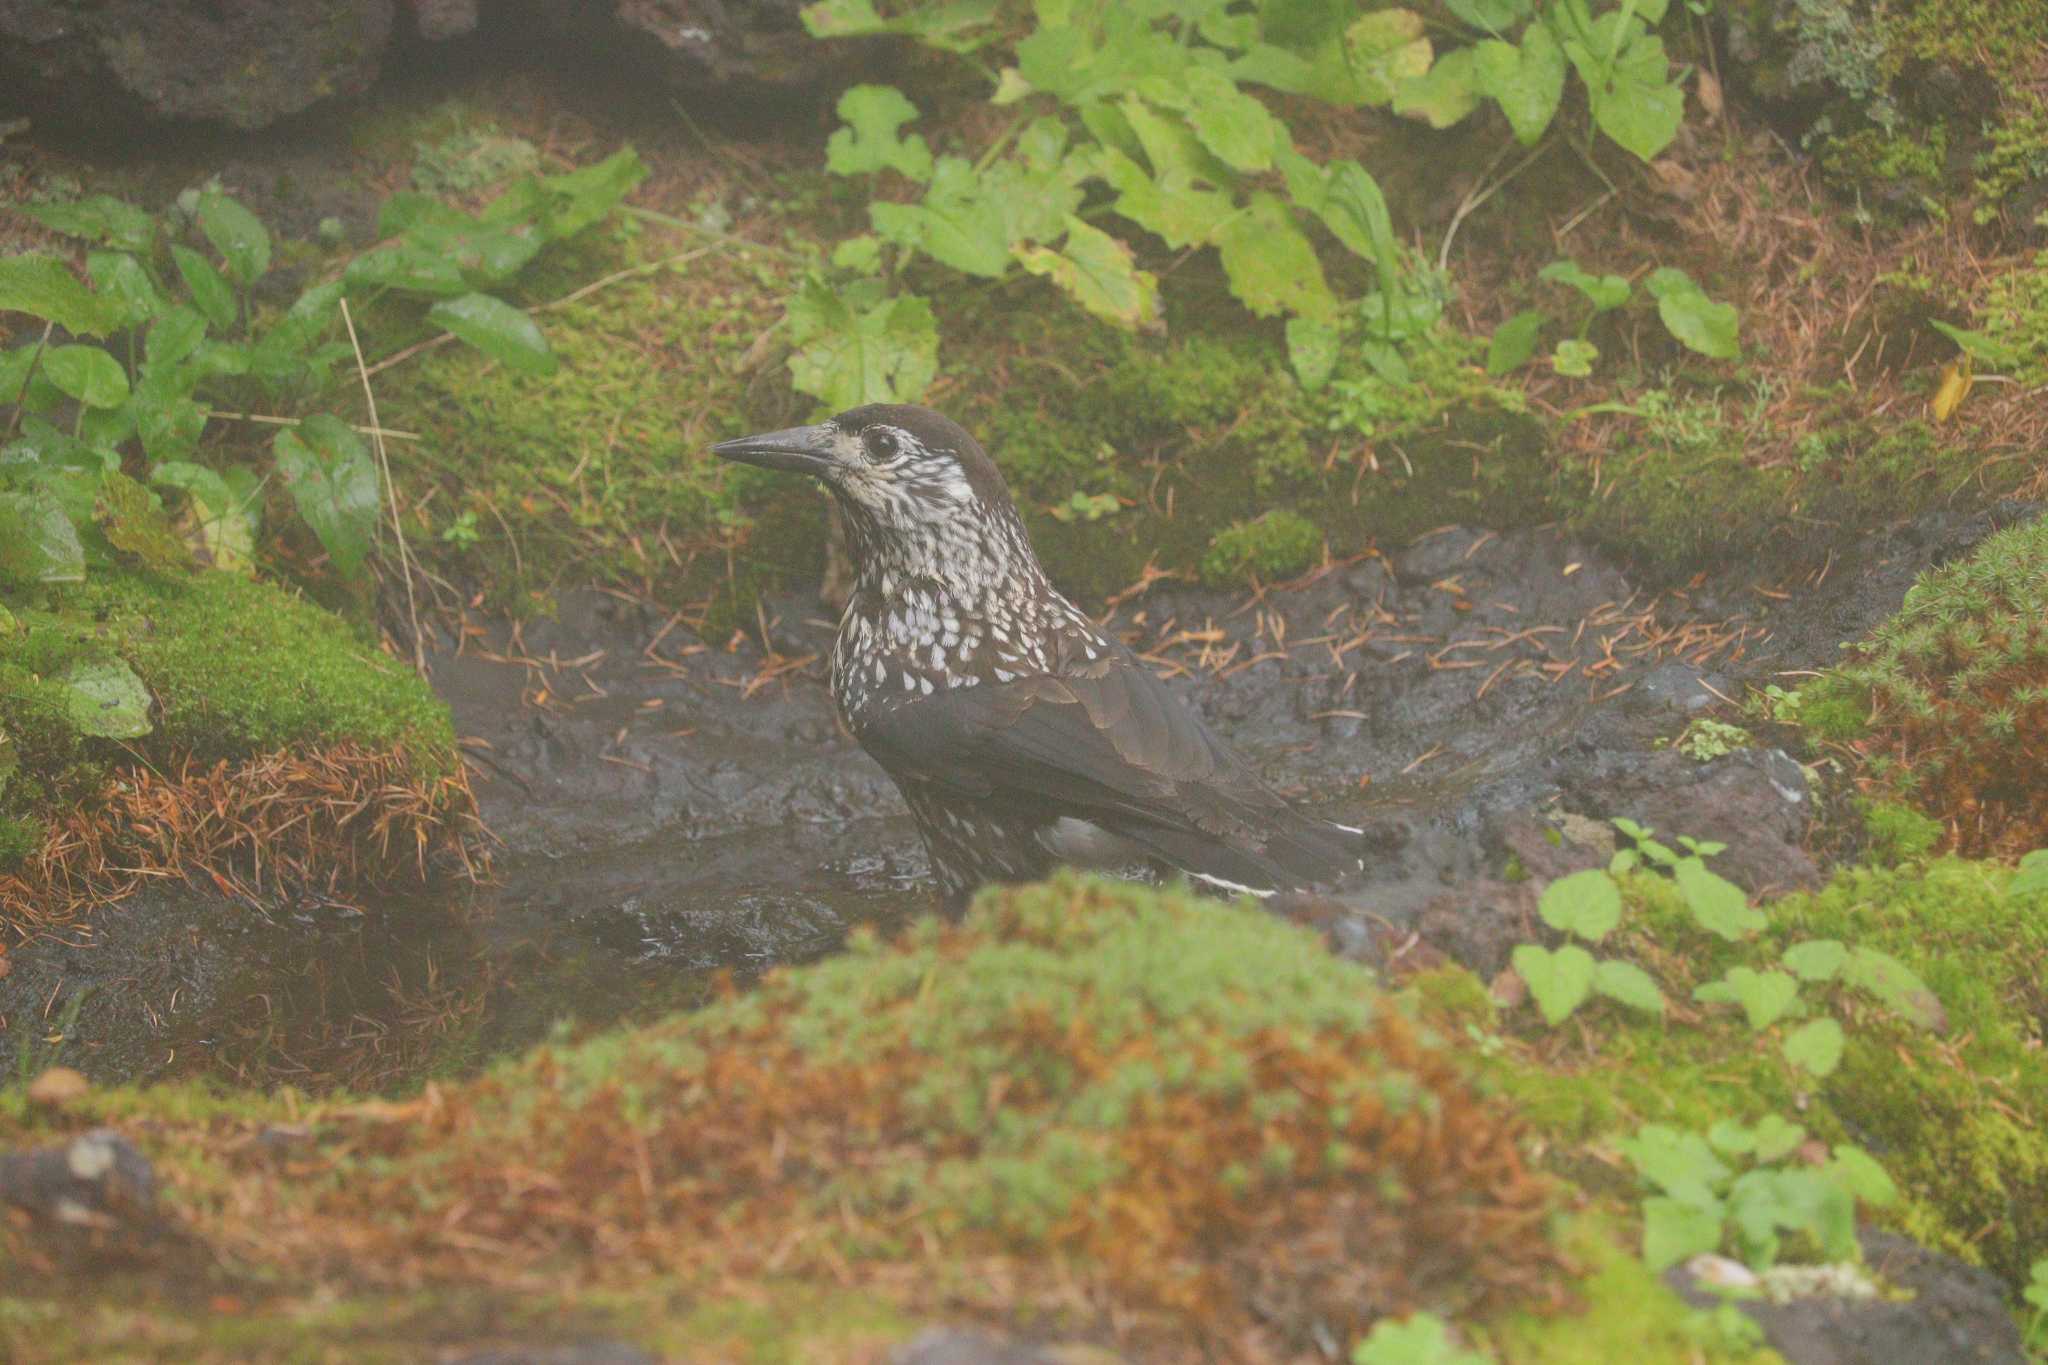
902	466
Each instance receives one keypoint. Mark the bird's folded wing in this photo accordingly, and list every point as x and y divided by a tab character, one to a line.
1110	744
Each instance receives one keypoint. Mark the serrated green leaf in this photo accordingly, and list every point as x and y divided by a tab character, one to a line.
1815	1047
869	142
1559	982
1513	343
1675	1231
1856	1171
135	522
1817	959
1271	266
1765	997
105	699
862	254
98	218
43	288
1586	904
211	294
496	328
37	541
886	352
1717	904
1236	128
1421	1340
1629	984
1526	81
237	235
1312	348
1448	91
1633	99
1495	16
958	223
1377	55
1099	273
1679	1163
333	482
88	374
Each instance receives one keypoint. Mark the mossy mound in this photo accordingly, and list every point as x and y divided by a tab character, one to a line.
246	694
1947	702
1952	1116
1131	1105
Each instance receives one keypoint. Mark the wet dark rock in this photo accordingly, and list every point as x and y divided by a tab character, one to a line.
440	20
1956	1316
245	65
97	1184
699	45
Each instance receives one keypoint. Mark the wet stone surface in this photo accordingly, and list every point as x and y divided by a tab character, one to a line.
670	808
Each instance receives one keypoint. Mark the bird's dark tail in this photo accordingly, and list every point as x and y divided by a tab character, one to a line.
1290	852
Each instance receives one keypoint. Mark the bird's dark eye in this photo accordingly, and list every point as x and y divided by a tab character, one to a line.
881	442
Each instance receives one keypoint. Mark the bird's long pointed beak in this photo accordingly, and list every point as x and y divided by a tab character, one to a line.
798	450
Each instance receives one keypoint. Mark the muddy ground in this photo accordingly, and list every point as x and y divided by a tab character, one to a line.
669	808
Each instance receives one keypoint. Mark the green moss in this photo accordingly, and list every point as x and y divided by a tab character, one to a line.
19	837
1897	834
2014	315
1273	546
235	667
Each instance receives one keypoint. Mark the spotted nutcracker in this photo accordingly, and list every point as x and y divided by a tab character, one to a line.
1020	735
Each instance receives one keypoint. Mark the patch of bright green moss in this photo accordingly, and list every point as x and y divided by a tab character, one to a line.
1896	833
1273	546
235	667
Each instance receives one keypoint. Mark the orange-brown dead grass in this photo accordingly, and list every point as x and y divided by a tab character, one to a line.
764	1164
332	820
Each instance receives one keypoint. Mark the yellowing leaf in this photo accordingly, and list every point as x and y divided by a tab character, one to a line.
1955	387
1097	270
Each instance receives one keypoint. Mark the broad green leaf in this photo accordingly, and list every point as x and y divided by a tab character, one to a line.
949	27
1526	81
869	142
1856	1171
88	374
576	199
1586	904
484	253
98	218
168	419
40	443
333	482
1894	983
43	287
104	698
1180	214
135	522
1765	997
1231	124
1097	270
496	328
285	351
1680	1164
1272	267
124	287
174	336
1761	1202
1420	1340
408	267
959	223
1606	291
862	255
107	427
1630	984
1717	904
1815	959
1574	357
884	352
1514	341
1979	347
1312	347
1696	320
1445	94
410	209
2031	877
236	234
211	294
37	541
1633	99
1675	1231
1815	1047
1559	982
222	517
